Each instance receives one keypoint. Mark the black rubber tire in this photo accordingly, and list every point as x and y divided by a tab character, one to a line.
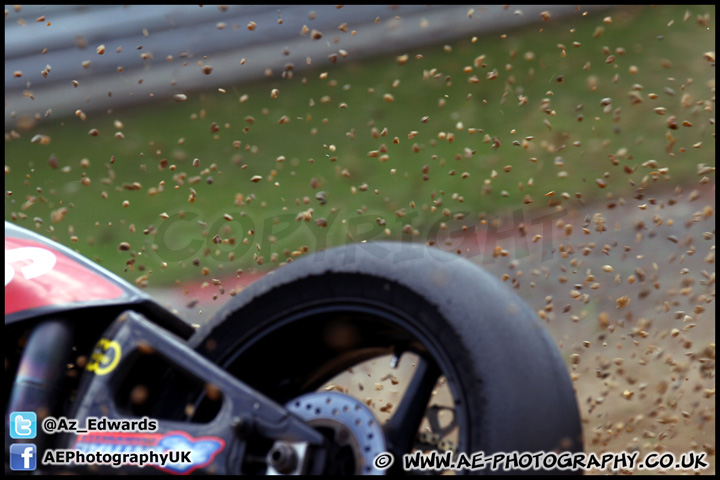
493	350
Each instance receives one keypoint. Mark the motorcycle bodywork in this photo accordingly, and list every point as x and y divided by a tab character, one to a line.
44	278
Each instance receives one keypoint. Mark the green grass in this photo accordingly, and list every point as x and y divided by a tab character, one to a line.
330	144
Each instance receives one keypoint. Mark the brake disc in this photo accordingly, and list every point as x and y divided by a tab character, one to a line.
351	422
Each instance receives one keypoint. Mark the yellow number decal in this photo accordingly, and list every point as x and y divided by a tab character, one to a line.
105	357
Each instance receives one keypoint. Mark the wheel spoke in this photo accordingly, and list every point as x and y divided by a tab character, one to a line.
400	430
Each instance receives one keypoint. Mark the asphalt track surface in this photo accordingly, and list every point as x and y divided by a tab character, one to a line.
140	39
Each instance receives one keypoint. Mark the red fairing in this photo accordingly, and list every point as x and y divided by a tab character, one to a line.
36	276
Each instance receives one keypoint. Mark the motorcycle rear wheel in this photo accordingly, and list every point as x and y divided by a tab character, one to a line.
443	319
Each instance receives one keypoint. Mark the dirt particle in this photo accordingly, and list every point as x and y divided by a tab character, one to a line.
622	302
